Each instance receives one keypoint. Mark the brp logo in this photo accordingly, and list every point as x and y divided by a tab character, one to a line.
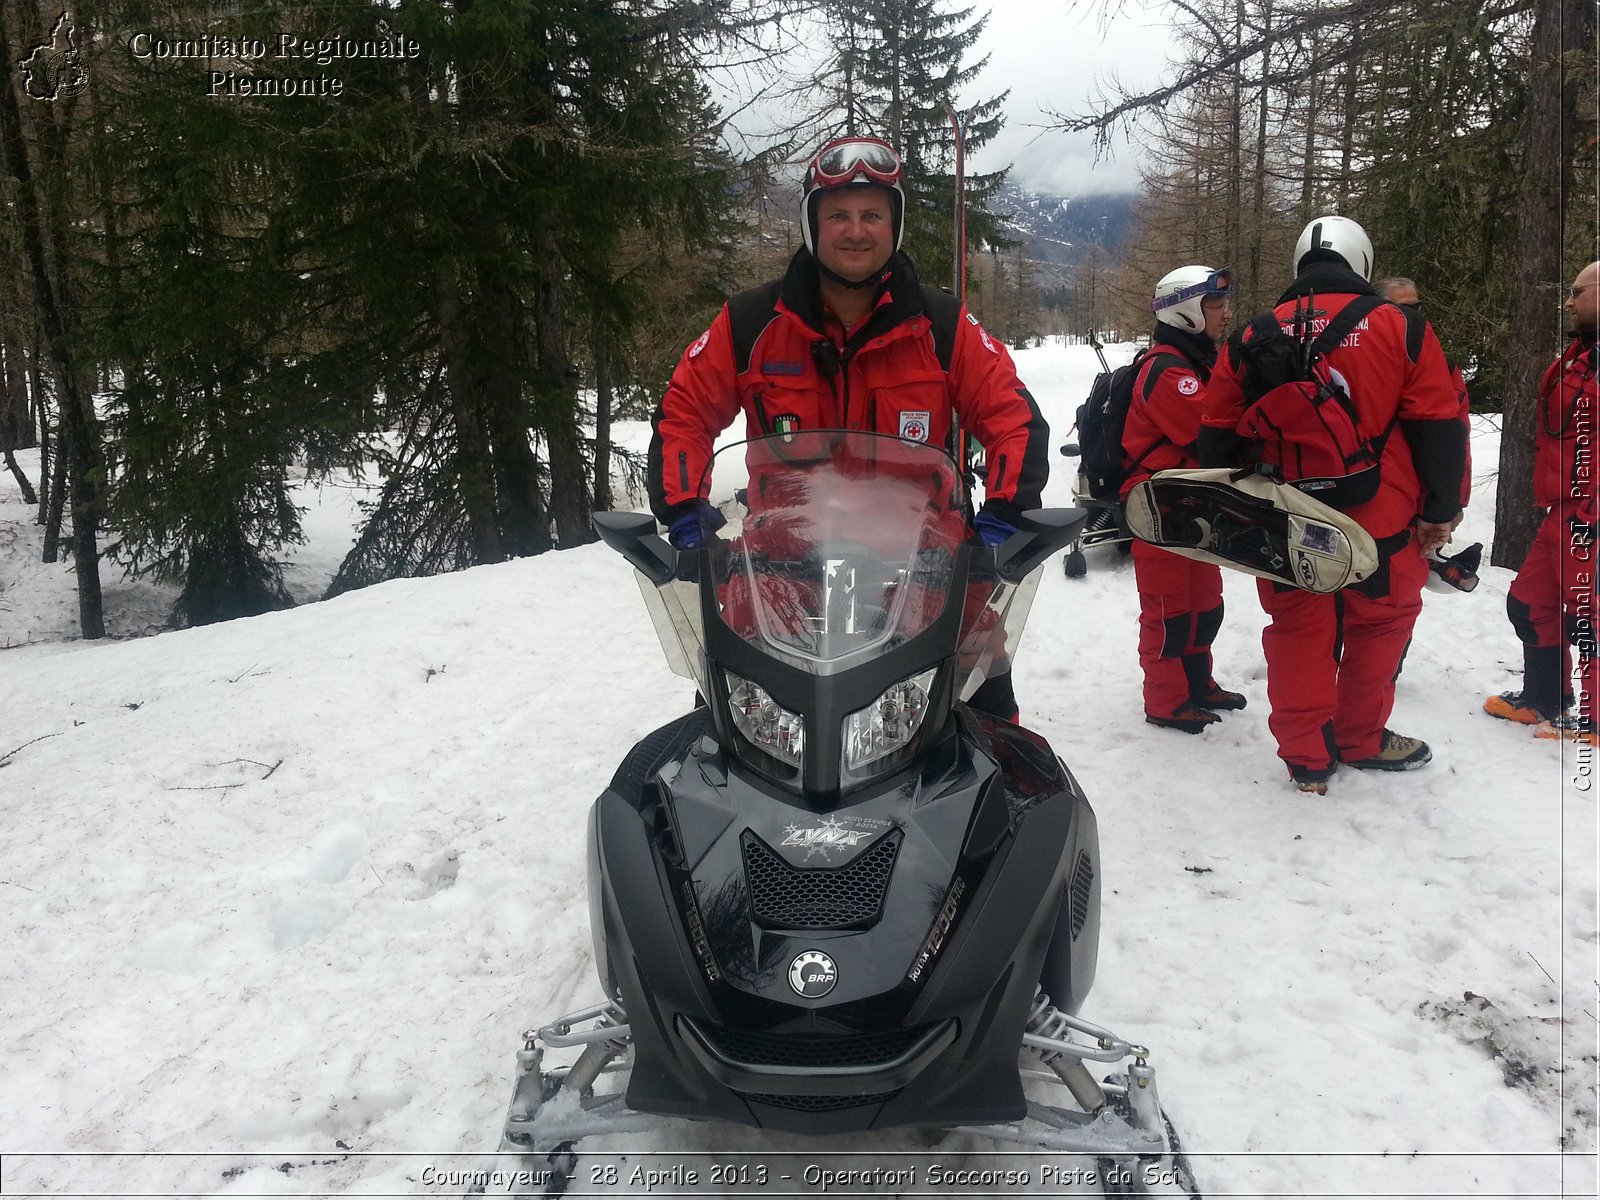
1306	568
812	974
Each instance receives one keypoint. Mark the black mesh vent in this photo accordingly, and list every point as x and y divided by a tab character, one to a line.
819	1104
812	1049
786	897
1081	890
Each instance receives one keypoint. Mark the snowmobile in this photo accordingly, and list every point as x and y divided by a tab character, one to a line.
833	898
1104	525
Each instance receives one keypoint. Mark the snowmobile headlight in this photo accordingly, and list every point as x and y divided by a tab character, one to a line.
888	723
775	730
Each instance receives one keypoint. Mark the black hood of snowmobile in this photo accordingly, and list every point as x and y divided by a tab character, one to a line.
801	970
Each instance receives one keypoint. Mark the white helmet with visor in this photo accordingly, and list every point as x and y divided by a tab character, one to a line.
1178	295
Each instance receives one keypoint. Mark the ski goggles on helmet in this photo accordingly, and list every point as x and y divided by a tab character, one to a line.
855	160
1218	283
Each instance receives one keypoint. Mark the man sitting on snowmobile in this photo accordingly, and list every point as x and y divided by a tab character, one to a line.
849	339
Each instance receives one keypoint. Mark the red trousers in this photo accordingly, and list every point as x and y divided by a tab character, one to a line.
1180	611
1332	662
1551	604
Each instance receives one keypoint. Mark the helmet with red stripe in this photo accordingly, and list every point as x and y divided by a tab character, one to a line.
853	162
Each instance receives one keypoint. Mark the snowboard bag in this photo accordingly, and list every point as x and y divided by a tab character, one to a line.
1252	523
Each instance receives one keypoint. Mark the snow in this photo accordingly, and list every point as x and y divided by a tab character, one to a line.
280	895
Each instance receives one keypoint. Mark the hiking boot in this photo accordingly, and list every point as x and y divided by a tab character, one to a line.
1190	719
1395	753
1219	697
1570	727
1313	780
1510	706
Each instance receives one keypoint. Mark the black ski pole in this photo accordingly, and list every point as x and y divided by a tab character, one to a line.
1099	351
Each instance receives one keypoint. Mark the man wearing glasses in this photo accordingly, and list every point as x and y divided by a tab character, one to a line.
849	339
1180	600
1332	660
1551	601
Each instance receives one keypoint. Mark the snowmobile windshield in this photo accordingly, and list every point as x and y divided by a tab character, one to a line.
848	547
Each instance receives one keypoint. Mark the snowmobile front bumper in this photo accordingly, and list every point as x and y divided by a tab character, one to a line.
1120	1118
724	1063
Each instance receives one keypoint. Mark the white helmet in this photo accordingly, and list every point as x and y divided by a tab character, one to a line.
853	162
1178	294
1343	237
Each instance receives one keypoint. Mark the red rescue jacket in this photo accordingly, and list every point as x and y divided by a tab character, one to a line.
1163	421
1459	382
801	371
1398	380
1564	432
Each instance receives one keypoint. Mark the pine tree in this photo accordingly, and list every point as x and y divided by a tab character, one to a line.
896	66
35	160
237	350
551	131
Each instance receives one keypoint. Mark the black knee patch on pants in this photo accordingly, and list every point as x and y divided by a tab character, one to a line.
1522	621
1206	625
1176	639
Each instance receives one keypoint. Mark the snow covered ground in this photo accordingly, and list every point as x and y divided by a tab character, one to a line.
278	896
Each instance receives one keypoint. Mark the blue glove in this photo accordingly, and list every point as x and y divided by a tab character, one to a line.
689	530
991	530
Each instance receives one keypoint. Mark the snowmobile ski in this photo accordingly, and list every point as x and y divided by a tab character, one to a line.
1118	1123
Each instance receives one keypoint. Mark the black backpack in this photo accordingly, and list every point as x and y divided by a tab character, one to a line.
1102	418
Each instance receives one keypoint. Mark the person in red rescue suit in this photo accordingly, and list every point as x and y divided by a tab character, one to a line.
1402	291
849	339
1551	602
1460	570
1180	600
1332	660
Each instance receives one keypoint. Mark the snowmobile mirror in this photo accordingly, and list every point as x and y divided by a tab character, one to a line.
1040	534
633	535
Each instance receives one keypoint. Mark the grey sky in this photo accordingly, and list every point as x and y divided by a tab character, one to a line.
1051	57
1052	54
